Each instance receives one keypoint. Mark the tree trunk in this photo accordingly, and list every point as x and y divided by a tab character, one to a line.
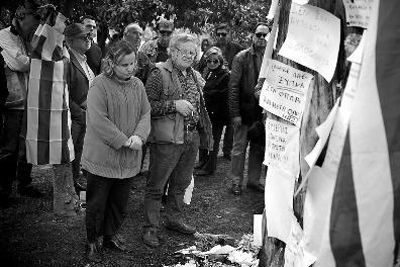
321	99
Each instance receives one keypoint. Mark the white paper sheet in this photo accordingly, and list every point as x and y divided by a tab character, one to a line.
285	91
282	146
279	203
358	12
313	39
323	132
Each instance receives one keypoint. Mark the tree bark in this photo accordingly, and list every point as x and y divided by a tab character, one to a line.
321	99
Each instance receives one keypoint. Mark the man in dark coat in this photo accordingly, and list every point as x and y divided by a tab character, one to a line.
245	112
79	77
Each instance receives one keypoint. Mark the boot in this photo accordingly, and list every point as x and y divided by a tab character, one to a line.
210	166
203	156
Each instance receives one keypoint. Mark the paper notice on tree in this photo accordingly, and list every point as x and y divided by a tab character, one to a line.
295	255
312	39
323	132
284	91
282	146
358	12
279	187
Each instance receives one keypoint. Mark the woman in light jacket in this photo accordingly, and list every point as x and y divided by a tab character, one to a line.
118	123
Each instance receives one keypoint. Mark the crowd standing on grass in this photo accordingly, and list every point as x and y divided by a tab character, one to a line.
171	97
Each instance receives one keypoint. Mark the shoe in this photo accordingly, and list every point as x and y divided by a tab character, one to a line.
29	191
150	238
115	243
236	190
203	172
92	253
256	187
99	243
79	187
180	227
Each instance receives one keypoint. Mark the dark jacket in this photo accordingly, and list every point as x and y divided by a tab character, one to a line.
216	95
94	56
230	51
244	74
78	86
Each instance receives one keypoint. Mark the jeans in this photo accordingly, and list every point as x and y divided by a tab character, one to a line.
106	205
169	164
256	156
228	140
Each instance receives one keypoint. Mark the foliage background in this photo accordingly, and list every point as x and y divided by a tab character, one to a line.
198	16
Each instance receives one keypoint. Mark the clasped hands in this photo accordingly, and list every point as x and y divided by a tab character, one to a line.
134	142
184	107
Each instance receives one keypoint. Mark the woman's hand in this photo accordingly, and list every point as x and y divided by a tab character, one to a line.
135	142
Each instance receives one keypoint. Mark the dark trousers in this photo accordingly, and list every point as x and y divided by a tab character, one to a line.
78	130
106	205
13	163
228	140
172	164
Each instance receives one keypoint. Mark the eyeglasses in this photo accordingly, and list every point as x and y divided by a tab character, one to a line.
165	32
215	61
261	35
221	34
186	52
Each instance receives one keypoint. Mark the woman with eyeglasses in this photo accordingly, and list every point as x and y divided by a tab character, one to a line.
118	123
216	98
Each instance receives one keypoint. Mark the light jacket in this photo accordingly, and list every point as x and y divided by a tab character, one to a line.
16	67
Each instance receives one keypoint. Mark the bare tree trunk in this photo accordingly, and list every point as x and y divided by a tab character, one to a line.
322	98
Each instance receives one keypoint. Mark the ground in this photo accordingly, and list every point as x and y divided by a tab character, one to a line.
31	235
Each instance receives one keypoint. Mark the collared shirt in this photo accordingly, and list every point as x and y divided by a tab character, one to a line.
83	62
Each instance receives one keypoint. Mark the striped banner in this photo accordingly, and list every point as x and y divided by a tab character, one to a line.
362	189
48	124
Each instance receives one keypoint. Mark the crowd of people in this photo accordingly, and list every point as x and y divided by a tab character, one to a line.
167	97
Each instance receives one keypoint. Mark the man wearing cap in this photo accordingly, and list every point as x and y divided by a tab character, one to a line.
94	53
164	31
246	114
15	50
79	77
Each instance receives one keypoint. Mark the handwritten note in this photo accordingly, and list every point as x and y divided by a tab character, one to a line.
284	91
282	146
313	39
358	12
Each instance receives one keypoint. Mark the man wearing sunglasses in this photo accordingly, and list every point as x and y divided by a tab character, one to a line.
80	75
245	112
164	31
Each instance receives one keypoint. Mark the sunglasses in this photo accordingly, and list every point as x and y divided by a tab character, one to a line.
165	32
85	38
221	34
261	35
215	61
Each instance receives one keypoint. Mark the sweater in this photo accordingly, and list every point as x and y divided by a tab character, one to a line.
116	110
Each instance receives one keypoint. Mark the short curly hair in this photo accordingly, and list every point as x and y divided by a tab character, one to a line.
182	38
